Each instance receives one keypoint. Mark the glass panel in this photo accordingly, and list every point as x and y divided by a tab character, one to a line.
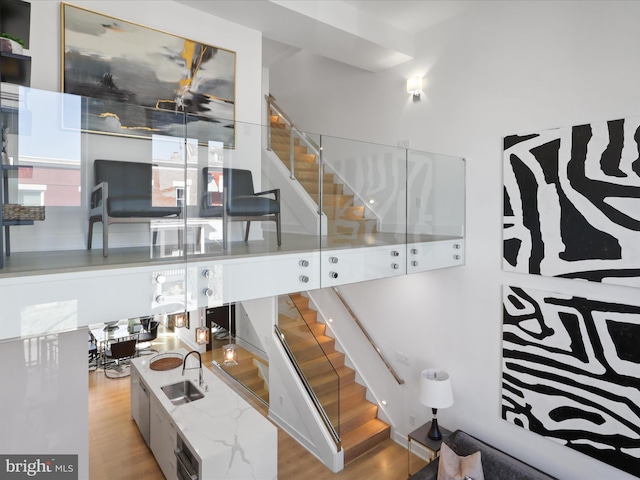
319	369
174	171
436	197
237	349
53	143
364	193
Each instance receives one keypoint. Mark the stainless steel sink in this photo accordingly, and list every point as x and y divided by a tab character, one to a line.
182	392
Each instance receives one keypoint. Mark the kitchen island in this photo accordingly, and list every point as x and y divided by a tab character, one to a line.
218	436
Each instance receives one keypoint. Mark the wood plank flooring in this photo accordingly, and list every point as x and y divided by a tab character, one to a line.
117	450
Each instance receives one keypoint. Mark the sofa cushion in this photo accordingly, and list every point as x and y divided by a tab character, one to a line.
458	467
495	463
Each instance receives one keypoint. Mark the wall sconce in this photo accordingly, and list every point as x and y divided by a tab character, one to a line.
414	86
180	320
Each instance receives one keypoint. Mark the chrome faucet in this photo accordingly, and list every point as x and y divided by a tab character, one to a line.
184	364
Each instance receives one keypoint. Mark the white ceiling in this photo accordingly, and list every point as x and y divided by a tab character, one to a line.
369	34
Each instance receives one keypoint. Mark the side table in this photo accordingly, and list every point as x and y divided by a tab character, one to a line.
419	435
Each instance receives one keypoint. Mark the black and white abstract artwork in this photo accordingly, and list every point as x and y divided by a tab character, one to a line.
571	373
572	202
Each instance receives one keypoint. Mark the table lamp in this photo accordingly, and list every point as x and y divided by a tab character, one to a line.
435	392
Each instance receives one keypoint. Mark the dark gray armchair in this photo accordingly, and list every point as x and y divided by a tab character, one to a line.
123	194
241	203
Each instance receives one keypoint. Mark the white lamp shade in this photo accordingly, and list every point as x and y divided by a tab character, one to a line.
435	389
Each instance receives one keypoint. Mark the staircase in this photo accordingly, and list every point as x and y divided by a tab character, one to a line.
247	371
344	216
359	428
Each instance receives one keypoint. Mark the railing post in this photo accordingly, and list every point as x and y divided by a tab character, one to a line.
268	124
292	155
320	179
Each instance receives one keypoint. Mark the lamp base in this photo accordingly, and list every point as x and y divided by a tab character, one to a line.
434	431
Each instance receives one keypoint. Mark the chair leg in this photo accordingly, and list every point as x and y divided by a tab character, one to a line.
181	240
200	240
225	230
246	232
7	240
90	239
105	238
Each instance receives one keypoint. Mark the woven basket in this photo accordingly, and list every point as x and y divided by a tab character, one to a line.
12	211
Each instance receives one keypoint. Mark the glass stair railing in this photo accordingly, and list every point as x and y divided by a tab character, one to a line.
162	242
314	358
248	365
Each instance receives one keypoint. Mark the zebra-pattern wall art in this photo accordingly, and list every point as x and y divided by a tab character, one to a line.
572	202
571	373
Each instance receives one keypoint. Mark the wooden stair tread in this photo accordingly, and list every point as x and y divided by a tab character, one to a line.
348	213
312	187
281	147
334	200
345	375
350	395
313	176
364	438
357	415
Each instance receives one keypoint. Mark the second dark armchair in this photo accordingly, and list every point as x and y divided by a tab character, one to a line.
241	203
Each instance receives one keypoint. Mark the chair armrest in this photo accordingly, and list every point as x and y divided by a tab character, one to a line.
98	198
275	192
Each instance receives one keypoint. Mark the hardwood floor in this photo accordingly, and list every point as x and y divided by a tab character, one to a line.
117	450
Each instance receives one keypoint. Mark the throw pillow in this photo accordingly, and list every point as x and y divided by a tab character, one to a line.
455	467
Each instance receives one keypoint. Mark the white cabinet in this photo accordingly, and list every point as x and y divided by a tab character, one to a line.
163	439
140	404
135	381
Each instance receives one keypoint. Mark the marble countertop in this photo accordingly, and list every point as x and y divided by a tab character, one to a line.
221	423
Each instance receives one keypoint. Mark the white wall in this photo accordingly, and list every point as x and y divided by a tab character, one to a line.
498	69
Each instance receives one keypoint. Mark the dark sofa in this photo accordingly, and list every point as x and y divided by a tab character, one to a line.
496	464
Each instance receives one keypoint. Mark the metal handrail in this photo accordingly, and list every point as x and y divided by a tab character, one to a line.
375	347
230	375
316	402
293	129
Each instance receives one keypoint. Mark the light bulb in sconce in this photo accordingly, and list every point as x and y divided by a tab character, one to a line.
414	86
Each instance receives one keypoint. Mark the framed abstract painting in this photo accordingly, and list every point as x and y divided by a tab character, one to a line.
571	202
571	372
138	81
